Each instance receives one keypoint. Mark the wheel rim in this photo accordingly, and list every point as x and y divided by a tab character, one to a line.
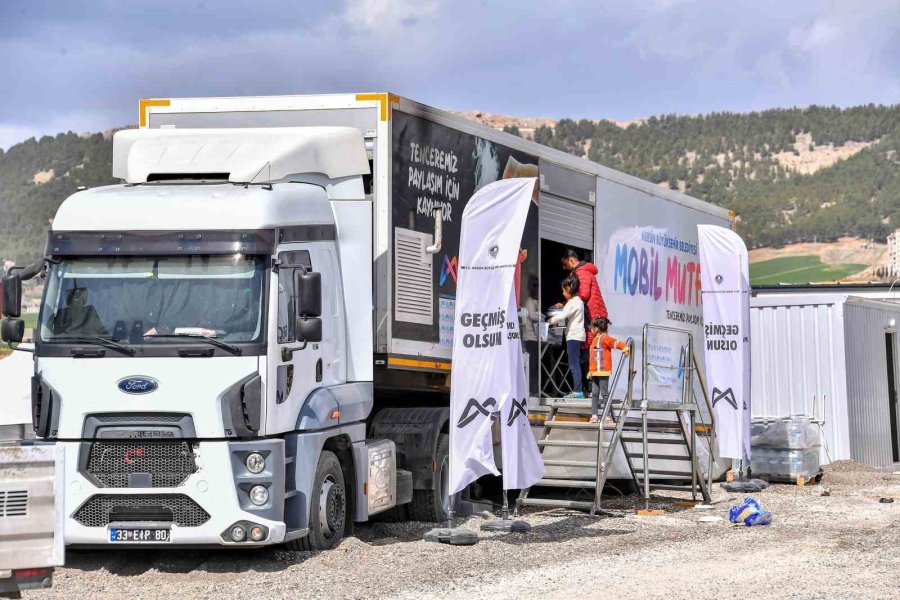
331	507
445	485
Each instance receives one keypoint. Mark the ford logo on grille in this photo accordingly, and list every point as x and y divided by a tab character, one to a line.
137	384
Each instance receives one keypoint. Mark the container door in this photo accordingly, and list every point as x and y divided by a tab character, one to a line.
890	345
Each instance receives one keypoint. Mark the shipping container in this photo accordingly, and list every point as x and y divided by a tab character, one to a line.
831	354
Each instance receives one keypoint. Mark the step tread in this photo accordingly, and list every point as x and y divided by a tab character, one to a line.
650	440
572	483
571	404
668	473
674	488
570	444
577	504
571	463
575	425
658	456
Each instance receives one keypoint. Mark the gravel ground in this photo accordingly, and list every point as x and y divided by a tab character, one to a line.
846	545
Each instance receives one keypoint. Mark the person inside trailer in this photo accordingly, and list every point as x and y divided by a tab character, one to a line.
588	288
572	315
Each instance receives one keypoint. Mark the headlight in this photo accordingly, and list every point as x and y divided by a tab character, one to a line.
259	495
238	534
257	533
255	463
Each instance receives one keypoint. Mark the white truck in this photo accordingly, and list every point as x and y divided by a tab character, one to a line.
247	342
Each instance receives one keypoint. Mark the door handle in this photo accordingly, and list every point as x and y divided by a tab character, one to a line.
288	353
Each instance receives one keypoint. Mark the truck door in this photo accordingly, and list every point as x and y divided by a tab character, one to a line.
295	369
334	360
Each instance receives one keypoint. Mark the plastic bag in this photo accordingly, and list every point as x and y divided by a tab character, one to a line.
794	433
749	513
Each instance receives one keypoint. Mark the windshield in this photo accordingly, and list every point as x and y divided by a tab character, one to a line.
132	299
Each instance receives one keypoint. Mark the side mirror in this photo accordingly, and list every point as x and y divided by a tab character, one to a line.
12	295
13	330
308	330
308	290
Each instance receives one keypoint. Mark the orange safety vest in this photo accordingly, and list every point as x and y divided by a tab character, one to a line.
601	355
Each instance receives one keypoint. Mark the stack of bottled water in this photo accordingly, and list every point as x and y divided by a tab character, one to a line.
786	448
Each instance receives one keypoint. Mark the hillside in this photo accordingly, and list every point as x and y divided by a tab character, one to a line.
793	175
36	176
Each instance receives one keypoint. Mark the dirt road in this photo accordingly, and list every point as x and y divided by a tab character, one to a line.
843	546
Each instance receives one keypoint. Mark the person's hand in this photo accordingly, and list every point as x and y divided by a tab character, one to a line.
557	305
523	254
626	351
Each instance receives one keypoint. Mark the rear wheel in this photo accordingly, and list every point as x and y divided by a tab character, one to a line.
327	507
433	504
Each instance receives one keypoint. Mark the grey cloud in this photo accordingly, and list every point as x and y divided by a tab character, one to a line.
84	65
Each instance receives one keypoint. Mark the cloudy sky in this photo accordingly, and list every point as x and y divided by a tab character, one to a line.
83	65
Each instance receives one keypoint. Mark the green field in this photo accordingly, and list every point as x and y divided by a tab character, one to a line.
799	269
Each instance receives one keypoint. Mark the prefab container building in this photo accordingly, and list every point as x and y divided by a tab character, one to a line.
830	352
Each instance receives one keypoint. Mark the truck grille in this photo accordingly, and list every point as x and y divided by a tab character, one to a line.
168	463
13	503
102	509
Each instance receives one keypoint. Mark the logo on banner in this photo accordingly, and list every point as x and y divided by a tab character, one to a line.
517	408
473	409
449	270
719	279
726	395
494	250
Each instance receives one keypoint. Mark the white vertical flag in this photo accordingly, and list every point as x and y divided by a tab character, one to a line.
522	462
725	284
487	355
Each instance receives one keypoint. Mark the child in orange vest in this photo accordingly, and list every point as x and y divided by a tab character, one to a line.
601	364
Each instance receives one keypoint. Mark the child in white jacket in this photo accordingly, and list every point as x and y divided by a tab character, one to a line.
573	314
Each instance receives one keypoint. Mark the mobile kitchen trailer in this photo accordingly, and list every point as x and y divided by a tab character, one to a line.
248	341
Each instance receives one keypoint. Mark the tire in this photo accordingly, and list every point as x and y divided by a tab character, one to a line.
327	507
431	505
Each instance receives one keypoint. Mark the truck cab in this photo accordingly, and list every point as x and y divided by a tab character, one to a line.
203	352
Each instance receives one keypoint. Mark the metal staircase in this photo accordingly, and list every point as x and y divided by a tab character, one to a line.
648	433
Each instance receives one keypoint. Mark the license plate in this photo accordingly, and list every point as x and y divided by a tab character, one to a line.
140	535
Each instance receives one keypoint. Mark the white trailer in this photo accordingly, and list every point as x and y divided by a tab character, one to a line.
248	341
31	516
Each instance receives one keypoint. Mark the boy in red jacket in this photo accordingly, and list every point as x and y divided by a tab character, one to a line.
601	364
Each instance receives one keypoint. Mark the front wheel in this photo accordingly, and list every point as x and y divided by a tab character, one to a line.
327	507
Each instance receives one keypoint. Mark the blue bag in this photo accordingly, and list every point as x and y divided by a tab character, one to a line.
750	513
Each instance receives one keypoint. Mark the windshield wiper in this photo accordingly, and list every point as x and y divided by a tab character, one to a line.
206	338
97	340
